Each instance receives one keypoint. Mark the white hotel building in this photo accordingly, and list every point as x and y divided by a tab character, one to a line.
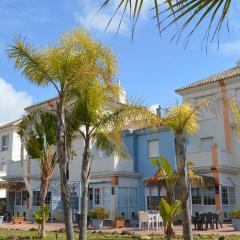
117	184
215	149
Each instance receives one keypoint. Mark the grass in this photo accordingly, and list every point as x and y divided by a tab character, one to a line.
6	234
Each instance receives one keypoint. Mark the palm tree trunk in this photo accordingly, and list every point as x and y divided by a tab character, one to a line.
86	165
62	155
183	185
169	232
43	190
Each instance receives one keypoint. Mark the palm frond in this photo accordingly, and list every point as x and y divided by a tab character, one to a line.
182	13
31	62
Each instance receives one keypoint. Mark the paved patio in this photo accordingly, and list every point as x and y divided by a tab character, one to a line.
226	230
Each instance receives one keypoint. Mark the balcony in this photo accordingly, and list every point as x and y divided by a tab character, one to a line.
14	169
204	159
200	159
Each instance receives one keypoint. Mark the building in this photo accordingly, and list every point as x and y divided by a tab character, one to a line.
116	184
141	145
215	149
113	184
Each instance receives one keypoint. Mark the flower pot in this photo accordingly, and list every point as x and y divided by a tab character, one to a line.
18	220
119	223
236	223
97	224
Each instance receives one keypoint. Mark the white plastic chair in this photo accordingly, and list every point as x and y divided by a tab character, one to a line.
144	218
159	221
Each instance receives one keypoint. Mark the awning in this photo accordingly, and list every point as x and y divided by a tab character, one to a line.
12	186
197	181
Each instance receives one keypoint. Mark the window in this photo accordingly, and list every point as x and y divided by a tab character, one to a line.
36	198
206	143
153	202
127	202
97	196
209	196
103	154
3	167
24	198
228	195
48	198
232	199
224	196
5	142
196	196
18	198
153	148
90	194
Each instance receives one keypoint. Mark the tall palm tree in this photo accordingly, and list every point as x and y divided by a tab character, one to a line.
98	119
39	133
183	13
66	66
183	120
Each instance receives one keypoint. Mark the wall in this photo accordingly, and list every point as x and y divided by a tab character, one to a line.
137	146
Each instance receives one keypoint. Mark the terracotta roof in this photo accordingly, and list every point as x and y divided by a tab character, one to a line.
232	72
13	123
40	103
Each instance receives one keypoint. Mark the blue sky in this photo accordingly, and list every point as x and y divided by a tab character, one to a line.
150	68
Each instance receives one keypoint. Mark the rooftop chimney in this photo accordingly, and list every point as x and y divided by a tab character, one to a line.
158	110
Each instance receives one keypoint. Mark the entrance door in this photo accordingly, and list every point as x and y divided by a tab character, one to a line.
90	198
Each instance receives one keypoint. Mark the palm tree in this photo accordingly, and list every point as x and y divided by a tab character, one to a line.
169	213
98	119
182	120
181	13
66	66
39	133
168	177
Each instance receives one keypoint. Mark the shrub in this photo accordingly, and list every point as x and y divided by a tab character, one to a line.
235	213
119	217
98	213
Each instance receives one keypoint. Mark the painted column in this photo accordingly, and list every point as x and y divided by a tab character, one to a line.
215	174
227	126
114	183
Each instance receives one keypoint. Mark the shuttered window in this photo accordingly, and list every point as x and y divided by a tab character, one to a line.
153	148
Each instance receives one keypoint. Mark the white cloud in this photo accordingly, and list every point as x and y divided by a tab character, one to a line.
12	102
89	18
98	22
230	48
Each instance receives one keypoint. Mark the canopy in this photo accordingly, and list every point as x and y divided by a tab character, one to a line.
197	181
11	185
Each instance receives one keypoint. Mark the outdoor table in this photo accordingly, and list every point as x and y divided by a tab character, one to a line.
208	219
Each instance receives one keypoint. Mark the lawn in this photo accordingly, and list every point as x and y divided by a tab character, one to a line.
24	235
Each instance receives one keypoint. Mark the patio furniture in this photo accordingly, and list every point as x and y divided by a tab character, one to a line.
207	219
77	219
145	218
157	219
6	216
218	220
210	220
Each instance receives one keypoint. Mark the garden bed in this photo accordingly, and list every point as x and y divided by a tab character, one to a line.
5	234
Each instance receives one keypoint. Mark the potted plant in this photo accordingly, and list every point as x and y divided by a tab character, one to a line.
235	216
119	222
97	216
18	219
